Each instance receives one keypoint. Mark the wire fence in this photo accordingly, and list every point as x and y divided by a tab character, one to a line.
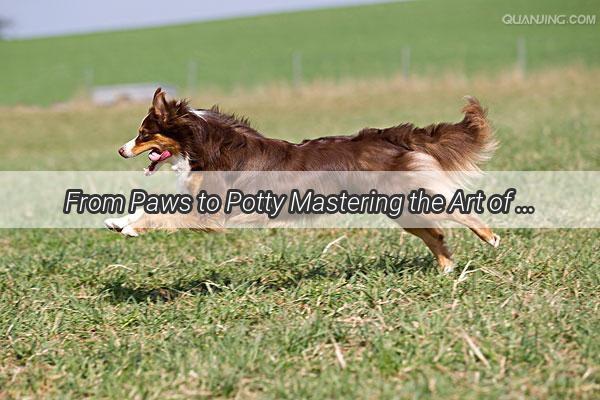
302	67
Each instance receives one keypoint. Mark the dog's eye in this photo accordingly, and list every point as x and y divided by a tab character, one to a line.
144	136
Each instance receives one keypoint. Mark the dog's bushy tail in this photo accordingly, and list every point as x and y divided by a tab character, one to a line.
463	146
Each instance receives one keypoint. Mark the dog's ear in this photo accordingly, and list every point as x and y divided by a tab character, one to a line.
160	104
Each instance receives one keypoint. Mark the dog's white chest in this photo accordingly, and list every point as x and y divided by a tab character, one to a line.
181	166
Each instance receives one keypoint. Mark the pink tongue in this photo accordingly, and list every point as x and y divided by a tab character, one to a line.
164	155
156	157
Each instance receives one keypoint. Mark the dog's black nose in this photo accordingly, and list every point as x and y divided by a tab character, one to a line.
122	152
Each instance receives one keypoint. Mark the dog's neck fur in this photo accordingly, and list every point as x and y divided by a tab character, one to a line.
209	137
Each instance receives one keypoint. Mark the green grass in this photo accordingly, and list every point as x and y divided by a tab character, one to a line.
464	36
260	313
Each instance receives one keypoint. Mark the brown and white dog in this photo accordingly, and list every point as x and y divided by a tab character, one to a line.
209	140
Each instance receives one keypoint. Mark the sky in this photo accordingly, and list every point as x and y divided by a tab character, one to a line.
39	18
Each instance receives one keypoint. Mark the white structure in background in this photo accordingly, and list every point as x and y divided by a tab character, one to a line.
133	92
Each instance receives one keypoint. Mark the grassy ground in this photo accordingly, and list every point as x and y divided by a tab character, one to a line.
269	313
466	36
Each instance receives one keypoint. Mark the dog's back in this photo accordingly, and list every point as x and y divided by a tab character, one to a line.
438	147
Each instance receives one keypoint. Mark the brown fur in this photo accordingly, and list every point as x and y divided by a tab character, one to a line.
157	141
223	142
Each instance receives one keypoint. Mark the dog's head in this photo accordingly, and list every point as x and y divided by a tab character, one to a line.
157	133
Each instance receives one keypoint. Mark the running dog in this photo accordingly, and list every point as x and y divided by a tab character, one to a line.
209	140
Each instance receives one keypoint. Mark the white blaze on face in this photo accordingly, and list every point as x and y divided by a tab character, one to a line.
128	148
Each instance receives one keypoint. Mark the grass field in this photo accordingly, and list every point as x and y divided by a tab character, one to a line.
464	36
268	313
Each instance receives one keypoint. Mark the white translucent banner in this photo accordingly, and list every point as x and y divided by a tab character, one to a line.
212	200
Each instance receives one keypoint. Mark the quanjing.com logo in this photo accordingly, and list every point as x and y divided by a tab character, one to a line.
549	19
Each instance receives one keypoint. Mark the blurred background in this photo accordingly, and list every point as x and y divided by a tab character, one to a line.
57	51
298	69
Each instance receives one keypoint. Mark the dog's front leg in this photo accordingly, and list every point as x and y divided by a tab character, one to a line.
140	222
126	225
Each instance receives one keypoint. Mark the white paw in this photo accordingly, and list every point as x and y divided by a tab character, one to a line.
116	223
122	225
129	231
448	269
494	241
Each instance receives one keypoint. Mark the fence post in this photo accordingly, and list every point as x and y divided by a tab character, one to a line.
297	68
88	81
521	56
406	62
192	76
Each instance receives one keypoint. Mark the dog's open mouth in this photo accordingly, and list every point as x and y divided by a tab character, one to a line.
156	158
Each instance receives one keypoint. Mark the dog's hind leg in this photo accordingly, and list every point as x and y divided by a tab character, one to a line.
434	239
478	227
